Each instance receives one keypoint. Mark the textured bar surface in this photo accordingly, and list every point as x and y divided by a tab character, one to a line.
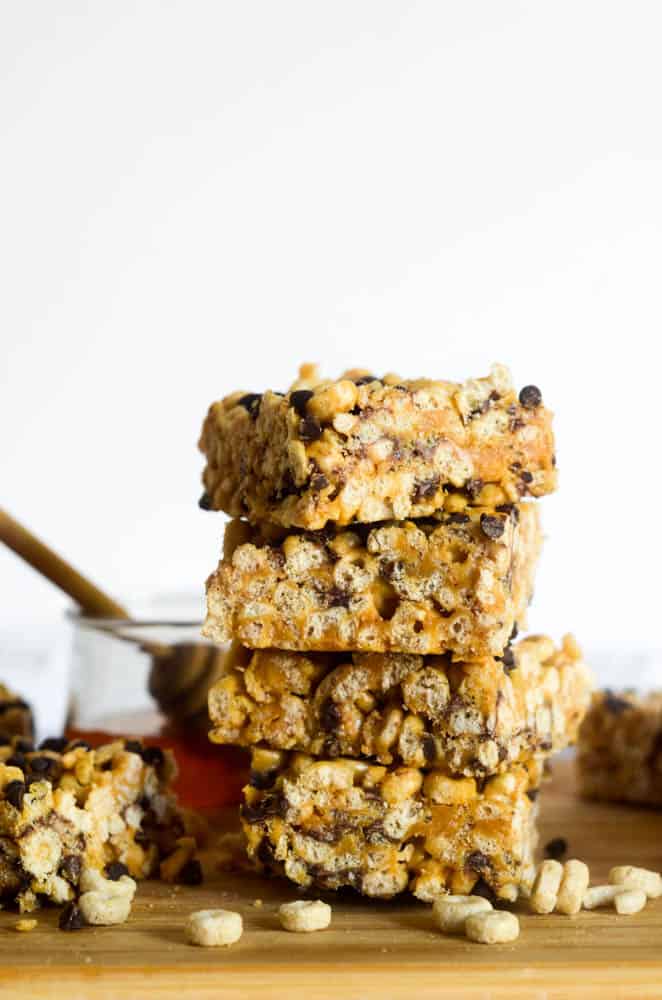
325	824
620	748
458	581
367	449
470	718
72	808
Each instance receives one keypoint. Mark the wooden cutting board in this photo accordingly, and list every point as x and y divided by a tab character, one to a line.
387	950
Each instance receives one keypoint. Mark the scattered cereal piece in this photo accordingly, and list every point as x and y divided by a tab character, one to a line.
212	928
630	901
637	878
574	884
26	925
104	910
450	912
304	915
546	887
492	927
600	895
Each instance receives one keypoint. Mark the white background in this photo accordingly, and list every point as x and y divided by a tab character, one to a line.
197	196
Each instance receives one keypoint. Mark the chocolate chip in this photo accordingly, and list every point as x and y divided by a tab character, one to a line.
514	633
492	526
70	868
71	919
79	743
481	888
508	659
473	487
310	429
5	739
14	792
191	873
556	848
24	746
532	794
457	518
251	402
56	743
425	489
477	861
338	598
365	379
510	509
526	476
330	715
262	779
18	703
268	805
530	397
298	400
153	756
429	748
204	503
114	870
45	767
16	760
265	853
134	746
612	703
318	482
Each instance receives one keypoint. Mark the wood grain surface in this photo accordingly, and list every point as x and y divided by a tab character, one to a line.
380	950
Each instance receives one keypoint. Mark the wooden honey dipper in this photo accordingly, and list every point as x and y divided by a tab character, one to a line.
181	674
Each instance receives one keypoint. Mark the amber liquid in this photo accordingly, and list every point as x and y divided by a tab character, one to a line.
209	776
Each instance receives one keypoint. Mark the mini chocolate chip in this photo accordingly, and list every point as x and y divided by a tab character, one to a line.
56	743
16	760
457	518
298	400
510	509
330	715
40	764
612	703
481	888
429	748
153	756
79	743
477	861
526	476
191	873
473	487
204	503
14	792
71	918
318	482
530	397
508	659
425	489
251	402
492	526
556	848
365	379
114	870
262	779
532	794
5	739
265	853
134	746
70	868
45	767
6	706
24	746
338	598
310	429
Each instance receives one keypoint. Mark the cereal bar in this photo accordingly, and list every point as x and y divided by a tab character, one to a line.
457	581
620	748
471	718
66	808
331	823
371	449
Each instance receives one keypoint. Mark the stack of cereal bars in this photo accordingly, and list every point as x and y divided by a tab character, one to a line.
372	584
